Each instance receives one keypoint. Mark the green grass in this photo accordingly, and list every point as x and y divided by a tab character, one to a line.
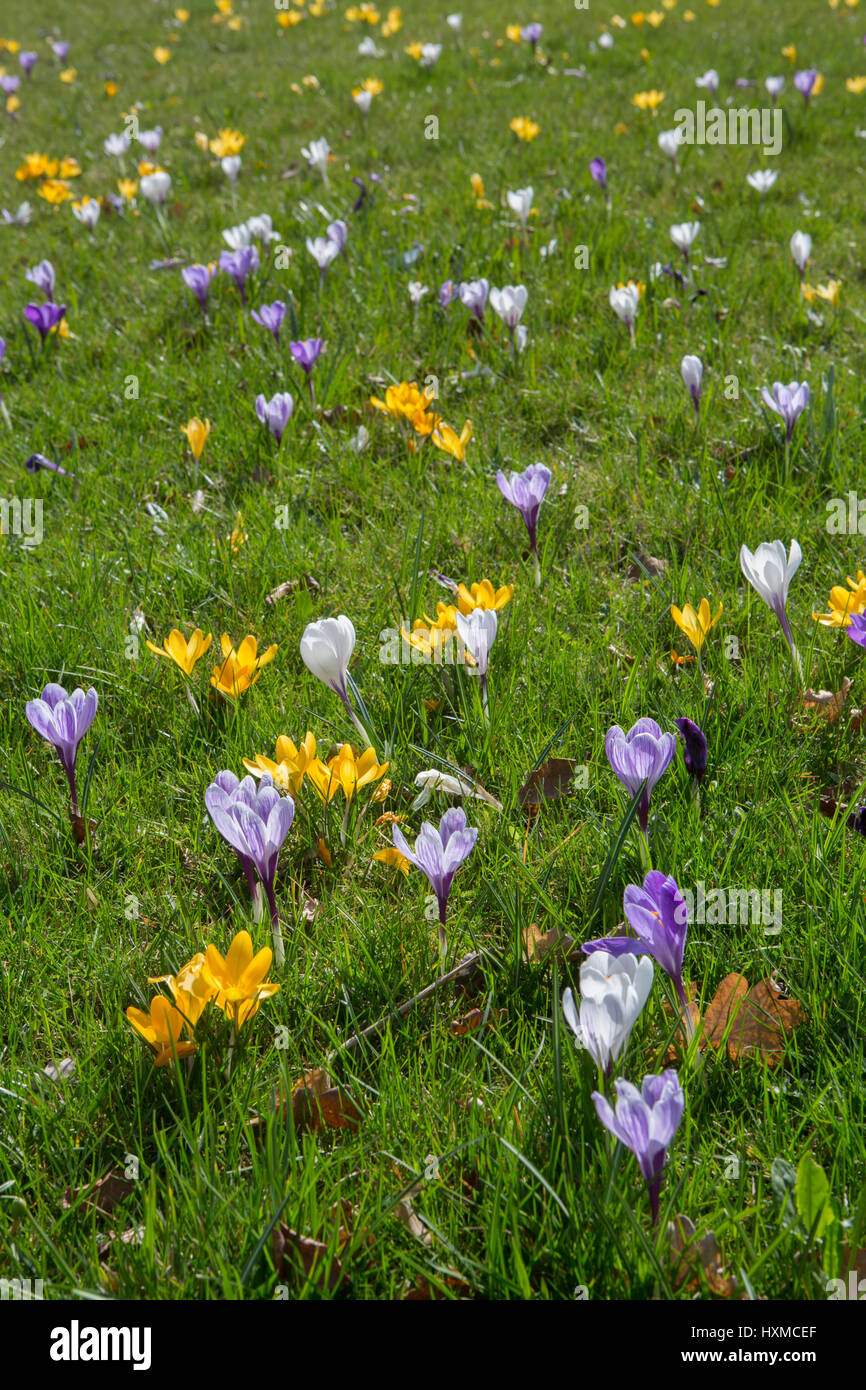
530	1200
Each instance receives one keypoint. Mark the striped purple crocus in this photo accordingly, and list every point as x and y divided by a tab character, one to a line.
644	754
645	1121
44	317
439	854
63	720
255	820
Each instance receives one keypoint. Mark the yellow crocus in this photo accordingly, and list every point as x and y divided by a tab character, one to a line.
69	75
451	443
790	52
404	400
696	625
69	168
345	771
162	55
512	32
227	142
844	604
290	765
829	292
196	431
190	990
162	1028
240	669
181	16
183	653
524	128
855	85
238	977
648	101
483	595
111	89
393	859
127	188
55	191
414	50
287	19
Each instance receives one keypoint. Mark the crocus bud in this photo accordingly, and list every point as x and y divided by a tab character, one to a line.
694	748
692	369
801	249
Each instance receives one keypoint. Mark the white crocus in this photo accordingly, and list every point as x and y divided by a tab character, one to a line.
683	236
430	54
87	212
669	143
367	49
150	140
774	86
432	780
417	291
624	300
762	181
117	145
692	369
613	992
363	100
238	238
801	250
520	202
261	228
231	167
317	156
454	22
508	304
477	631
710	81
155	188
326	650
770	571
323	250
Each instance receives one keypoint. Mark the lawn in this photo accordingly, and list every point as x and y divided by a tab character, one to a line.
458	1152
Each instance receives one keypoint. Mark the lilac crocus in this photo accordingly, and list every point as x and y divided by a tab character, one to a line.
60	49
439	854
525	491
28	60
9	83
338	232
239	265
770	571
44	317
448	292
306	354
645	1121
694	748
275	413
197	278
787	401
658	914
42	276
37	462
473	296
531	33
63	720
856	628
255	820
271	316
805	83
644	754
598	169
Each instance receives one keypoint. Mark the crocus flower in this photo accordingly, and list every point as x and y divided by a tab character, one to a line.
323	251
801	249
347	771
856	629
455	23
473	296
645	1121
271	316
231	167
624	300
657	912
774	86
531	33
290	764
683	234
196	431
240	668
669	142
644	754
448	292
306	353
197	278
696	625
162	1028
520	202
508	304
255	821
525	491
598	170
317	157
42	276
261	228
692	369
183	653
9	84
63	720
155	187
275	413
238	978
117	145
326	650
190	991
770	571
60	49
613	991
87	212
239	265
709	81
694	748
805	83
439	854
762	181
150	140
44	317
28	60
338	232
478	633
37	462
787	401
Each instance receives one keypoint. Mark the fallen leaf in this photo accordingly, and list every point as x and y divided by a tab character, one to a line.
289	586
424	1291
643	565
468	1023
81	828
548	782
63	1071
102	1196
620	654
825	703
405	1212
692	1257
310	906
133	1236
537	944
760	1018
294	1253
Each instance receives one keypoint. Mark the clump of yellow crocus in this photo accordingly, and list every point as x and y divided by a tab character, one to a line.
290	765
240	669
162	1028
238	978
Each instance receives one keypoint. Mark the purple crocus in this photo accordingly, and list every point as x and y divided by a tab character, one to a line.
473	296
197	278
856	628
239	265
448	292
598	169
28	60
525	491
439	854
63	720
644	754
275	413
694	748
645	1121
36	462
9	83
42	276
857	820
362	196
44	317
306	352
255	820
657	912
271	316
805	83
531	33
787	401
338	233
60	49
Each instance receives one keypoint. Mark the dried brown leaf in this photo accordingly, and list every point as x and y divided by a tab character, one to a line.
825	702
102	1196
548	782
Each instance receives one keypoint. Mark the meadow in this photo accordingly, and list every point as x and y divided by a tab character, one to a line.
301	1125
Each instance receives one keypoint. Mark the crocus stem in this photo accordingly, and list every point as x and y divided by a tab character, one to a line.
73	793
537	568
192	700
443	938
345	824
654	1188
645	858
276	929
687	1020
485	711
312	393
357	723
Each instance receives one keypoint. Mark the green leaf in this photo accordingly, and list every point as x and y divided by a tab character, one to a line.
813	1197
